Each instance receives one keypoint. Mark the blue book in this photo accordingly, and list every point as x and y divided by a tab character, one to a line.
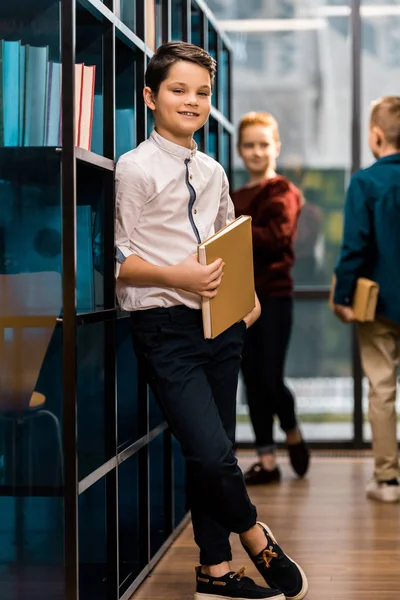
125	130
11	66
22	54
1	94
35	95
97	130
53	105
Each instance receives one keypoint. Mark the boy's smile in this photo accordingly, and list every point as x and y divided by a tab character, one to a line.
183	102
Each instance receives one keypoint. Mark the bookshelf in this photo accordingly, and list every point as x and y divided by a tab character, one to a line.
93	521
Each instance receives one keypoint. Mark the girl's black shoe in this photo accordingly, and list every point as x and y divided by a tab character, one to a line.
257	475
299	455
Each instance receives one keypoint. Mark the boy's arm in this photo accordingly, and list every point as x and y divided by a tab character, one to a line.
355	247
281	221
133	191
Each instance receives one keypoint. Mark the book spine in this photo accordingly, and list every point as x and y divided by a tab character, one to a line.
54	104
205	302
78	99
91	106
35	97
1	93
11	65
22	61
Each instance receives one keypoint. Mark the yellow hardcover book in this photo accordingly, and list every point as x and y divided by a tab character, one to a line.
236	294
364	301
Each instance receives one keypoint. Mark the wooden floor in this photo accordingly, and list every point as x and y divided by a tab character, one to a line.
348	546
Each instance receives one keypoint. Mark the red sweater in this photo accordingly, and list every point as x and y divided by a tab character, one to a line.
274	205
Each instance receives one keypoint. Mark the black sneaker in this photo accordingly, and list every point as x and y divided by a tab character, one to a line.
232	586
299	455
257	475
279	571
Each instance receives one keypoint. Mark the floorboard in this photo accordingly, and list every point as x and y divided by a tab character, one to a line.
348	546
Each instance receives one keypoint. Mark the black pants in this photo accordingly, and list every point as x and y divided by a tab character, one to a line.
195	380
263	366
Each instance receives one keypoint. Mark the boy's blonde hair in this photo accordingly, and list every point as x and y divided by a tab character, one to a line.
385	113
258	118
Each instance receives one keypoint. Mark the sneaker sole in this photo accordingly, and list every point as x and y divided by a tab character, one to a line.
304	590
388	499
198	596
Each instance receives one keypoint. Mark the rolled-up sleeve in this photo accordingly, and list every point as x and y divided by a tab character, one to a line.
226	212
132	192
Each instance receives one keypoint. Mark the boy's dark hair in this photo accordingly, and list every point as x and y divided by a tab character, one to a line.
170	53
385	114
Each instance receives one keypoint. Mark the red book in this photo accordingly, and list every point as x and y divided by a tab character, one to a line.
86	112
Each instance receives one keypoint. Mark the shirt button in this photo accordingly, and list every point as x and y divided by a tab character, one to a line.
195	211
191	176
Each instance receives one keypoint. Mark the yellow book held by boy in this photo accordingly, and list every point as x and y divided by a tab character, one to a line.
236	294
364	301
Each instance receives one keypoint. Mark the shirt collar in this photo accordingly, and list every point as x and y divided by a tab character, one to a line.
172	148
391	158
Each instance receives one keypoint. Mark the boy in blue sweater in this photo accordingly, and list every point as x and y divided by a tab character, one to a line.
371	248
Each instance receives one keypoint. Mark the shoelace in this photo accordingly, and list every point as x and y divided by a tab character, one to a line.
268	555
239	574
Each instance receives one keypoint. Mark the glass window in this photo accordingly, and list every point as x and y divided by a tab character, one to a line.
303	78
380	62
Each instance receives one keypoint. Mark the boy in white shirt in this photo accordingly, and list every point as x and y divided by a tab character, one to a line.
170	197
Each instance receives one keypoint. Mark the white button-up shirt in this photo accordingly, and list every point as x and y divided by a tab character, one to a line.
168	200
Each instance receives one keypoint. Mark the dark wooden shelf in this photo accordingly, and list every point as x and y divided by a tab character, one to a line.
41	165
96	160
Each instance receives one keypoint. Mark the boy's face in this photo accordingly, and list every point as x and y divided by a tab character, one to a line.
183	102
258	148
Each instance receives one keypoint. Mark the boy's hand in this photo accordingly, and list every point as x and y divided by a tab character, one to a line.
193	277
344	313
253	315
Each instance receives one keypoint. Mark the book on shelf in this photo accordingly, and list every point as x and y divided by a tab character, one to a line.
236	294
85	122
365	299
30	97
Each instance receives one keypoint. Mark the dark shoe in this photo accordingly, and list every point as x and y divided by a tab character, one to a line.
232	586
279	571
299	457
257	475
